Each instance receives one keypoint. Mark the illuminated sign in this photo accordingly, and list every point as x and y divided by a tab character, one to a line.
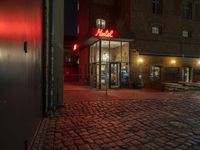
107	33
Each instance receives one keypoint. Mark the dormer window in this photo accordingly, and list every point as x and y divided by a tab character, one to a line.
100	23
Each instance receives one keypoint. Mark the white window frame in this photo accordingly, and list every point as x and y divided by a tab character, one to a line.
155	30
101	23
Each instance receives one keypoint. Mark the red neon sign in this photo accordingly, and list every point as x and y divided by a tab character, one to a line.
107	33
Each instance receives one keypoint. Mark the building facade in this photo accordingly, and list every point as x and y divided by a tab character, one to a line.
138	43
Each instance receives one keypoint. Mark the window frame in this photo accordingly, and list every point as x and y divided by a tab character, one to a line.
155	29
187	9
189	33
157	7
100	23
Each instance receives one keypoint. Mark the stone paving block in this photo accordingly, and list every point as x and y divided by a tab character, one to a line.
73	147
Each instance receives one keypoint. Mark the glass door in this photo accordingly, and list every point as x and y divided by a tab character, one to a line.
104	76
115	75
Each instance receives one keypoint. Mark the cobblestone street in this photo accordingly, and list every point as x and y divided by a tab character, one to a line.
123	119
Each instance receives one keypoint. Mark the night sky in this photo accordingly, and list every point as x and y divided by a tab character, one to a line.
70	17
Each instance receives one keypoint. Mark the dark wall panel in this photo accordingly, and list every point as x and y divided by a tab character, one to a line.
20	72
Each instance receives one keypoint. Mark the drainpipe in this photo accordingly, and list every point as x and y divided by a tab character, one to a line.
51	55
45	56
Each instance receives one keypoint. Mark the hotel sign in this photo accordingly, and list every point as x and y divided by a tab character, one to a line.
106	33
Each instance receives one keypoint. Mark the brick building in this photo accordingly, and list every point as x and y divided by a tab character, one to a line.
130	43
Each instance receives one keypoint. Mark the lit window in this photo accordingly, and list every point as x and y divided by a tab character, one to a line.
155	72
155	30
100	23
156	6
187	9
186	33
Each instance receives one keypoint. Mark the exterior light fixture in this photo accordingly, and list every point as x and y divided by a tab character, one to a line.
140	60
198	62
173	62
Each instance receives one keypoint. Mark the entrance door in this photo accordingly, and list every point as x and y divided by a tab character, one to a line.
115	75
186	74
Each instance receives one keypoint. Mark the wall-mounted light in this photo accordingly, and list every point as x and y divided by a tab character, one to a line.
198	62
173	61
140	60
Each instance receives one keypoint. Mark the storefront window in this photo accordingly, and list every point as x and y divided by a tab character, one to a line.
115	51
155	73
104	52
97	51
125	52
124	74
94	53
92	48
109	64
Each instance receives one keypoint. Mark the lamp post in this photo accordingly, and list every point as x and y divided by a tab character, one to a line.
140	77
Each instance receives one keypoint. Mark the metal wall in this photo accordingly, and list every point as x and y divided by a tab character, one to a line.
57	50
20	71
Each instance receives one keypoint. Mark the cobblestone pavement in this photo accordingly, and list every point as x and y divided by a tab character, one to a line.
124	119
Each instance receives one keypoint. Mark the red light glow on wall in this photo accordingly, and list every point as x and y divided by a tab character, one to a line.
107	33
18	22
75	47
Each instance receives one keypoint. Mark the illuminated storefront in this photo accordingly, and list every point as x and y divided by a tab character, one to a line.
109	60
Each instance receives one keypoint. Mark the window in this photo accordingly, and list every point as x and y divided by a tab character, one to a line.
155	72
100	23
155	30
187	9
186	33
156	6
